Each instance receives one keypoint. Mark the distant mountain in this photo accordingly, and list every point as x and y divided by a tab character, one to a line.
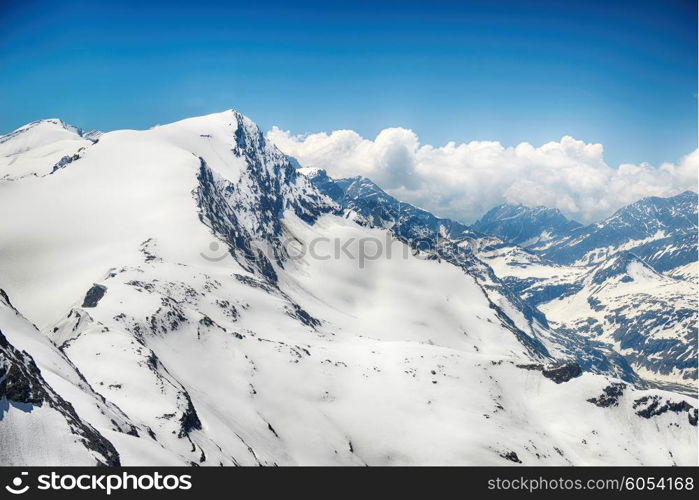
629	280
652	318
363	196
661	231
41	147
525	226
648	317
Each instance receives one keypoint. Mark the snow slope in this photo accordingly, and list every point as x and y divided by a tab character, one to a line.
38	400
41	147
454	242
165	266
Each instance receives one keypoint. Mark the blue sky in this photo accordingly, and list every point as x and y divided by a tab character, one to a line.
620	73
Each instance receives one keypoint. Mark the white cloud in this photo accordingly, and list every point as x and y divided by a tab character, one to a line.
463	181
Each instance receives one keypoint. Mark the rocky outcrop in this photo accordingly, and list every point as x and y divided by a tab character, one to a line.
21	383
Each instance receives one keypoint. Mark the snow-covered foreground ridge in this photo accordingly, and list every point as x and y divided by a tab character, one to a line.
627	307
173	326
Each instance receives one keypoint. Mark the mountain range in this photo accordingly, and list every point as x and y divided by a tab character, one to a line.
187	295
601	282
525	226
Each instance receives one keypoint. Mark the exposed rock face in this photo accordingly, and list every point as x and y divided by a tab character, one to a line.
22	385
610	396
511	456
562	373
189	420
247	214
558	372
94	295
651	406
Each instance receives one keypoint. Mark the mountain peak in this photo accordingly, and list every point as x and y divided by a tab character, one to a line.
47	130
626	266
313	173
52	127
524	226
39	147
687	195
366	198
652	214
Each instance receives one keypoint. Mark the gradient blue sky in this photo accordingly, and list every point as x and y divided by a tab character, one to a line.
620	73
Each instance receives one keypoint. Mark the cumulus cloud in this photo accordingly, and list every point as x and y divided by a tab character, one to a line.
462	181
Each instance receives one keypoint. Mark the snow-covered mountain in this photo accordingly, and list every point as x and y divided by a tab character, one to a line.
629	281
524	226
648	317
661	231
648	329
651	318
364	197
39	148
458	244
198	301
368	204
44	402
